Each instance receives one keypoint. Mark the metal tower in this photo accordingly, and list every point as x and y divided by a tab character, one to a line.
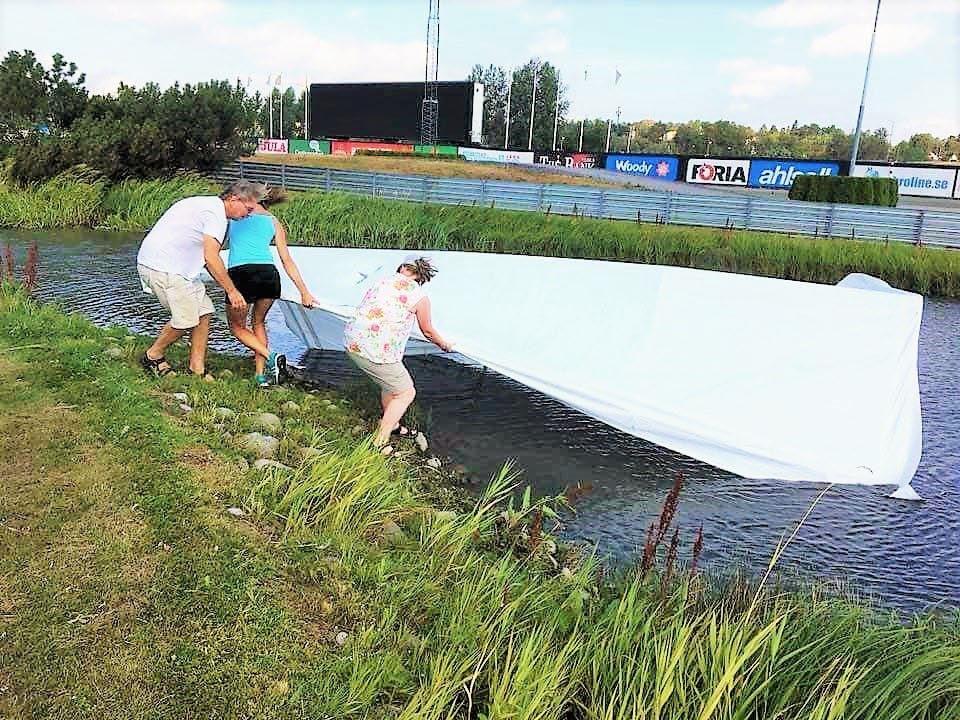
429	111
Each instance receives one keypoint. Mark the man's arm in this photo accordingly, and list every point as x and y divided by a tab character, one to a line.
218	271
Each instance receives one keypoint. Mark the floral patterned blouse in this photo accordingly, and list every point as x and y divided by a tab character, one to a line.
381	326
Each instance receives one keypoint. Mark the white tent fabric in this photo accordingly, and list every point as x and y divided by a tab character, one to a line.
766	378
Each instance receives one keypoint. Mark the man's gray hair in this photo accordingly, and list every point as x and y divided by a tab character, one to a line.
245	190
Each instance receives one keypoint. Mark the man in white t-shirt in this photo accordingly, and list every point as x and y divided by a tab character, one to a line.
171	259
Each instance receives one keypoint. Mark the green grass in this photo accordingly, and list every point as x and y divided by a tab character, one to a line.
341	220
79	198
128	591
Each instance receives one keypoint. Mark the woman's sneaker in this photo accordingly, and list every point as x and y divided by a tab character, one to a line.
277	366
261	381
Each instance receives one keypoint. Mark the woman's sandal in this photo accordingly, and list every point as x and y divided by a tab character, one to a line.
402	431
159	367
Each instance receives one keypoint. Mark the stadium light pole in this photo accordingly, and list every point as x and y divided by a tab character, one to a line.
863	96
506	133
533	99
556	112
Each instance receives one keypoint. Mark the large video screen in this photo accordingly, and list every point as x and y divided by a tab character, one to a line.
391	111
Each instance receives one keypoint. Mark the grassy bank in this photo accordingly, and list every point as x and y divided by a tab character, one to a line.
338	219
433	167
79	199
127	589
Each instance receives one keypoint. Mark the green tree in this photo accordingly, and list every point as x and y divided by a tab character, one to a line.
494	80
23	95
287	105
66	95
521	92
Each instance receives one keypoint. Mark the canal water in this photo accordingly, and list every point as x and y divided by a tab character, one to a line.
899	554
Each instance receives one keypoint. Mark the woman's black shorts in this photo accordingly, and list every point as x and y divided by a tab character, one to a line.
256	282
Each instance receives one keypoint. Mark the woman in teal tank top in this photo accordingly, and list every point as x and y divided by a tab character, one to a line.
251	267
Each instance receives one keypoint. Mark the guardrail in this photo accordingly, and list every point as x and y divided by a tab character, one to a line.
920	227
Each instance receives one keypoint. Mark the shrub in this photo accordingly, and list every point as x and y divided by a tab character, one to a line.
848	190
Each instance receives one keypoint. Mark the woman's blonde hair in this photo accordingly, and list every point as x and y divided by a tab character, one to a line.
421	266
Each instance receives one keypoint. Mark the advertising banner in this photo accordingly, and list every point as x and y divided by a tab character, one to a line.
779	174
956	186
272	146
435	149
566	159
926	182
306	147
516	157
717	171
351	147
660	167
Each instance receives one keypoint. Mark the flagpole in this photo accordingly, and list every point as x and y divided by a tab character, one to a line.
271	111
607	148
556	112
580	144
306	96
281	107
506	133
533	98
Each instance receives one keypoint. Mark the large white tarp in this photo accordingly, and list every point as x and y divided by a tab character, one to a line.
766	378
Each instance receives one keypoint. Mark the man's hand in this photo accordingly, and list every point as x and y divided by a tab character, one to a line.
236	301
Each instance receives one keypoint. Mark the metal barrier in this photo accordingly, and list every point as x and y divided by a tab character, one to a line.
927	227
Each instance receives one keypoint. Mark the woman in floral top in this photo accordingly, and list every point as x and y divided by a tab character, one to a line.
376	337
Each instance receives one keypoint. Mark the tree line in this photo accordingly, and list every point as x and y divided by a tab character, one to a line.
695	137
50	122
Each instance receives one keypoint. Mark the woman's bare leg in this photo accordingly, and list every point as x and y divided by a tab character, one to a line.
260	310
395	406
238	326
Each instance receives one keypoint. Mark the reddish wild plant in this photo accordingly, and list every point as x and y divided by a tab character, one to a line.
31	268
536	531
669	509
670	562
697	549
649	551
8	261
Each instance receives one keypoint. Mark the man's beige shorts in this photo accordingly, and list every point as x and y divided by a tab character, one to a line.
186	299
391	377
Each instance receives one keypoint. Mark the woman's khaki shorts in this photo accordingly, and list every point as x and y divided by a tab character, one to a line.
186	299
391	377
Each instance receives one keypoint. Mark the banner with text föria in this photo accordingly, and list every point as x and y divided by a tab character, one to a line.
926	181
717	171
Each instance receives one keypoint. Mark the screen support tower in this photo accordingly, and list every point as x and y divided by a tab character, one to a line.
430	110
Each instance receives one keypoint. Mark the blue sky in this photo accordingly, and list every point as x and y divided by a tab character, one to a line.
752	61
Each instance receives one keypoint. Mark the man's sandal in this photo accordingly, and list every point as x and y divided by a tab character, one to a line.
159	367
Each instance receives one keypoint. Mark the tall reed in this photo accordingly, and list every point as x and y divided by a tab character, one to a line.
341	220
503	635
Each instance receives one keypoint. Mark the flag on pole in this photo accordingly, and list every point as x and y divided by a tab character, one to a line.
584	74
617	77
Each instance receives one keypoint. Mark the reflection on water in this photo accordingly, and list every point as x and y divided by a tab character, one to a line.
904	554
